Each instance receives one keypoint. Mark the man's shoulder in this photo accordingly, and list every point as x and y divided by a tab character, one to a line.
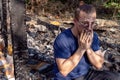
64	34
96	42
64	38
95	35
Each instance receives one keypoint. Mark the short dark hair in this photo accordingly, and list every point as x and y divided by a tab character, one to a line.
85	8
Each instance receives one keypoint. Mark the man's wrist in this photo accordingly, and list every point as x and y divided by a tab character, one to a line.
88	50
81	50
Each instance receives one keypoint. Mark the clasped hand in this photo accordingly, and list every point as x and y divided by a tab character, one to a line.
85	39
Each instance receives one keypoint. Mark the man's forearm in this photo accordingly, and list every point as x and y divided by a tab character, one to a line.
69	64
95	59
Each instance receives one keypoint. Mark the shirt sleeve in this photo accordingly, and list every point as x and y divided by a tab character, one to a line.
61	47
96	42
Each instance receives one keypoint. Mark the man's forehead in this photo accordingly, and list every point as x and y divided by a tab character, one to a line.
84	15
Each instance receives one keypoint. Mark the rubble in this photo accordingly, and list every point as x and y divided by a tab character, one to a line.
38	63
40	44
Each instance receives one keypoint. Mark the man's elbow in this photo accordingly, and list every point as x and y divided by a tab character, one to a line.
99	66
64	73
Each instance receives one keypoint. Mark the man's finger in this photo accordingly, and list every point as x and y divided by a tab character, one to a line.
88	38
81	35
85	36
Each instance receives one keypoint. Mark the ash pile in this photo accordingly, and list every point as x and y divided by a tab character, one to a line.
41	35
40	38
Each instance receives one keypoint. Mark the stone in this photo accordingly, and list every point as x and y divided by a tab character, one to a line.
27	18
41	28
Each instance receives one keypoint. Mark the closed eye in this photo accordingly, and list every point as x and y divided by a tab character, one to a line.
84	23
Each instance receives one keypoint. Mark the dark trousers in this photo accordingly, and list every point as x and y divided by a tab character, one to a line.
100	75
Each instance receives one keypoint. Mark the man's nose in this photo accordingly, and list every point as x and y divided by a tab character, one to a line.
90	26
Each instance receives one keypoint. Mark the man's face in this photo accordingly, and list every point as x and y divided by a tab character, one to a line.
86	21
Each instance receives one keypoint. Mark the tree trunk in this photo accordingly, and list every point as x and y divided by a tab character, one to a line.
19	38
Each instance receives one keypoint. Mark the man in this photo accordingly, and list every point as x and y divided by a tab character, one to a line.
77	49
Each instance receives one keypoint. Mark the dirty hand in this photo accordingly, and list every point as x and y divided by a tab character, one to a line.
89	39
85	39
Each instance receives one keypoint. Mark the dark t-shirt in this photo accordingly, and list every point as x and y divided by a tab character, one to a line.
65	46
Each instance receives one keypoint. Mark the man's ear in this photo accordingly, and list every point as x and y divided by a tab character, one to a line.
75	21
